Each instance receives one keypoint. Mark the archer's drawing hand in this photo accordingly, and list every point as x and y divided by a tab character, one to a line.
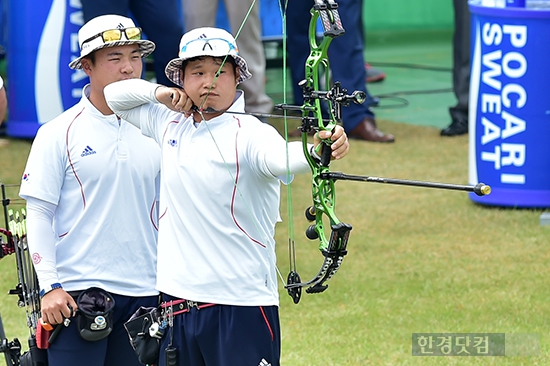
340	143
56	306
175	98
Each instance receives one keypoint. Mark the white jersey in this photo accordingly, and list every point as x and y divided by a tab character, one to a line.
102	174
219	200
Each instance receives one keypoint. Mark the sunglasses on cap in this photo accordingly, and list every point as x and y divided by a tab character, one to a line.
199	45
112	35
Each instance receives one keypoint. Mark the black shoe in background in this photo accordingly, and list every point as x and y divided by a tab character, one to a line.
456	128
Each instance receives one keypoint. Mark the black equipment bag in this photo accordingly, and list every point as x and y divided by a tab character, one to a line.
95	320
144	333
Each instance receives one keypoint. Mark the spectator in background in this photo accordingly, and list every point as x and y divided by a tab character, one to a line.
203	14
461	70
159	19
3	101
346	62
374	75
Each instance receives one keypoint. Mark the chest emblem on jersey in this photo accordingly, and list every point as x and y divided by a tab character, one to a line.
173	143
26	176
87	151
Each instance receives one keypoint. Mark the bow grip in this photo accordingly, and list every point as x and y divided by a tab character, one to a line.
326	154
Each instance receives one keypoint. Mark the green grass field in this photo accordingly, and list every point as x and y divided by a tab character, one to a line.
420	261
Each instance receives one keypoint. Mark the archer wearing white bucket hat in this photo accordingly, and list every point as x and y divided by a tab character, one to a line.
109	31
216	250
206	41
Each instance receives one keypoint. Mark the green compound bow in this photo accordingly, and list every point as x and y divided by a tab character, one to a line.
334	246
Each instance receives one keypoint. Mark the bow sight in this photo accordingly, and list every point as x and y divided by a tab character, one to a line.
336	97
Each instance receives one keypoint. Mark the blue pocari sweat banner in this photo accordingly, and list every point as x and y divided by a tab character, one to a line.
509	120
43	40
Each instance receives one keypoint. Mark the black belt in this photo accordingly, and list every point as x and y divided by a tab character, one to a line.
182	306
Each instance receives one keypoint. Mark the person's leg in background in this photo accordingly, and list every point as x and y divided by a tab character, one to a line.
297	45
461	70
161	22
297	16
251	48
346	63
198	14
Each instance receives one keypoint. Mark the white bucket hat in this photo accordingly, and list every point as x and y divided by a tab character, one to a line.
206	42
109	31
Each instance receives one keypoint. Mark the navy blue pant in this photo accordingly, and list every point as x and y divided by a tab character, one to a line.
461	60
160	20
224	335
69	349
346	57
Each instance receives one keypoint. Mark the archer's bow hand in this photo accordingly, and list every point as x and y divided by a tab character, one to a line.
337	140
175	98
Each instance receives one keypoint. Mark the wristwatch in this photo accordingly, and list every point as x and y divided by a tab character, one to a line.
52	287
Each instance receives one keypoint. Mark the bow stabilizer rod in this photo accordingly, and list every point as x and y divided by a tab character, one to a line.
481	189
